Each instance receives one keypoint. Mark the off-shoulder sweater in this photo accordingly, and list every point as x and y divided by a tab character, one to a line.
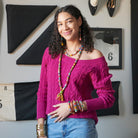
85	77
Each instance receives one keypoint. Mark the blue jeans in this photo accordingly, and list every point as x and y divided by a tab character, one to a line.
71	128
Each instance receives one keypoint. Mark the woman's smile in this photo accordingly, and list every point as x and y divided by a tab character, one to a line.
67	33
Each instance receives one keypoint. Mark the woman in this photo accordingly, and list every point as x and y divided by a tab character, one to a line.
71	69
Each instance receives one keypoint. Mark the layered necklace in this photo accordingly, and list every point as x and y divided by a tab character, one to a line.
60	94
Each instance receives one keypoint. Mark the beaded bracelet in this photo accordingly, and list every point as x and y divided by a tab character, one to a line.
70	107
79	106
82	108
75	106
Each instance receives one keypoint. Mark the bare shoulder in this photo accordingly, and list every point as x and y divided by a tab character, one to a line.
95	54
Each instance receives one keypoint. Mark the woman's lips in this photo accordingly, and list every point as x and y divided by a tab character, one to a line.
67	33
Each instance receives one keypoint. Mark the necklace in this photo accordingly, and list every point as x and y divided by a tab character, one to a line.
60	94
67	54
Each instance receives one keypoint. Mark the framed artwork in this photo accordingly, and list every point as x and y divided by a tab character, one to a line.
109	42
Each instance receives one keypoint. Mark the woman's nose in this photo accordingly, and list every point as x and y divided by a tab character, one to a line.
65	26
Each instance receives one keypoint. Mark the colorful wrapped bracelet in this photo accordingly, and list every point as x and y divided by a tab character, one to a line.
71	107
75	106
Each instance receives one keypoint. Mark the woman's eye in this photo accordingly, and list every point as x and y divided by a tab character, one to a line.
69	21
59	24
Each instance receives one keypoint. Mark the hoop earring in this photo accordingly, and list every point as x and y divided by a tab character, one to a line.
62	44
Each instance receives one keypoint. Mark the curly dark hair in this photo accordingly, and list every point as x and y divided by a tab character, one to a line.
55	47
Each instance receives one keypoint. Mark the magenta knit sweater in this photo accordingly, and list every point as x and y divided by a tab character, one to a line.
85	77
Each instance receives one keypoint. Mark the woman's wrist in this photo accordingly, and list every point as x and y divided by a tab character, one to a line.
41	121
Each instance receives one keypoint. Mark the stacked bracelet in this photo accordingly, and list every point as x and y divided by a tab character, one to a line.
40	130
75	106
81	105
71	107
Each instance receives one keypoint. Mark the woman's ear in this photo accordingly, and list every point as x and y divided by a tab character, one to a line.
79	21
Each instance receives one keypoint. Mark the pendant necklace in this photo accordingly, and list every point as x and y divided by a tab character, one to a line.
60	94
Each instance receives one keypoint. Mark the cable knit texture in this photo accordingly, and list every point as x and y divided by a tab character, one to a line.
85	77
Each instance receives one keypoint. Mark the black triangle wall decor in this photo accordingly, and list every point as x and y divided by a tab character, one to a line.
22	20
33	56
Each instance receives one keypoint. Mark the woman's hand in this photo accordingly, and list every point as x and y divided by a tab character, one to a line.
61	112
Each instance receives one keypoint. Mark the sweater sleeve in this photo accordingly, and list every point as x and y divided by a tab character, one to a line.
42	89
101	82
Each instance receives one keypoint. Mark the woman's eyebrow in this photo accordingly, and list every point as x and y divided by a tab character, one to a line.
68	19
65	20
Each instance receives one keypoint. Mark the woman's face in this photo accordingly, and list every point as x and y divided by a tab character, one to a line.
68	26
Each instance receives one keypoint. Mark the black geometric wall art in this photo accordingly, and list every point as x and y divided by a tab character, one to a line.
134	53
114	110
25	100
22	20
33	56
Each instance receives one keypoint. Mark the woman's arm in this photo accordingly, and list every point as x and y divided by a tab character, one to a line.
101	80
41	97
42	90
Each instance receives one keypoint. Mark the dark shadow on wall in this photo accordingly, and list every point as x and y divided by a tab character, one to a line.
1	15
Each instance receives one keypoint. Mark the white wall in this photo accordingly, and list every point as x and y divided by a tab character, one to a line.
123	126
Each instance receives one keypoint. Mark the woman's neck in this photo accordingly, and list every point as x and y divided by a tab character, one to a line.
73	46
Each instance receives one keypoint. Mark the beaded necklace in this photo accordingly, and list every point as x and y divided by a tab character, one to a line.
60	94
67	54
